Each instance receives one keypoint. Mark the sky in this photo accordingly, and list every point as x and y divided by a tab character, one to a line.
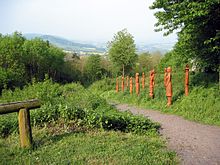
82	20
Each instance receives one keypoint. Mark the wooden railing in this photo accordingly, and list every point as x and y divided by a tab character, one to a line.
22	107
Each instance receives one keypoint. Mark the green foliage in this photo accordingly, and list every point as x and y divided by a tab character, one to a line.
201	105
174	60
22	60
71	102
147	61
101	86
11	66
199	23
144	62
92	69
122	51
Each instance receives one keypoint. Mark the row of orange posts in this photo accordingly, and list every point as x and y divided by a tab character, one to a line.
167	83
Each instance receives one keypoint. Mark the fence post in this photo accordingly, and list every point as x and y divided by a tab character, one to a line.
151	93
122	83
169	86
25	128
137	84
23	108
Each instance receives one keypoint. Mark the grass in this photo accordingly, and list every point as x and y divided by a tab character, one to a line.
86	147
75	126
202	105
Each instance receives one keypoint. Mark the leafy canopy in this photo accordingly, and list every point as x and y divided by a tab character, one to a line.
122	50
199	22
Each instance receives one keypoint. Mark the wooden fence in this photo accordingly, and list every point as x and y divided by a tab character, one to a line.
22	107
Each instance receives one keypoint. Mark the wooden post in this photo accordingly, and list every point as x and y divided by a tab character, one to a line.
143	80
122	83
165	75
131	85
169	87
25	128
187	80
22	107
137	84
151	93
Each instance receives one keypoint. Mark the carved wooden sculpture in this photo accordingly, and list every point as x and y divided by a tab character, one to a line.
165	75
137	83
122	84
152	74
168	87
187	80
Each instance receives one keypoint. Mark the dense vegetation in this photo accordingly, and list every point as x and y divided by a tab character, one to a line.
70	114
198	24
21	60
71	102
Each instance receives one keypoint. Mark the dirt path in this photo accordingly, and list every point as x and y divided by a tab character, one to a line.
196	144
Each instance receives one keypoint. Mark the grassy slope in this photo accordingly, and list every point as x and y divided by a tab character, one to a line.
74	126
90	147
202	104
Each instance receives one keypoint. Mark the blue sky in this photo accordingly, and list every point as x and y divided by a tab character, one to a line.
85	20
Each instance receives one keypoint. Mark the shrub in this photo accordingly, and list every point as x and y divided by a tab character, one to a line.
71	102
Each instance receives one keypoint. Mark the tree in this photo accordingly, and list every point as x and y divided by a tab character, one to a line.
11	66
198	22
92	69
121	51
144	61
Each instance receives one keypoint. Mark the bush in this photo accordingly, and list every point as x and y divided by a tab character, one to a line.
71	102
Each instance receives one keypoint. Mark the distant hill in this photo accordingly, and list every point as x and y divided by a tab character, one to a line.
65	43
91	47
162	47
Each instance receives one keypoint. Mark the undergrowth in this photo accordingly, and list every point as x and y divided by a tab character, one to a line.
75	126
71	102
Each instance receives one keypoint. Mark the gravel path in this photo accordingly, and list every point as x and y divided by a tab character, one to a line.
196	144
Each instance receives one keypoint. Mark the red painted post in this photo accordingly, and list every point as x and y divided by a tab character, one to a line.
169	86
137	84
165	75
117	87
152	74
122	84
187	80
